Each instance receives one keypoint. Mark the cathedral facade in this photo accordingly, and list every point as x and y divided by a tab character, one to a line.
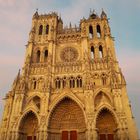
70	87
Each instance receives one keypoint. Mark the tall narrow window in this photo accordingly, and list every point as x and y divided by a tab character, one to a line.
72	82
64	82
34	84
45	55
40	29
90	32
79	82
104	80
100	51
47	29
98	31
38	56
58	83
92	52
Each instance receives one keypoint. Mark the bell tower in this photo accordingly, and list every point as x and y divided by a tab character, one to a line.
70	87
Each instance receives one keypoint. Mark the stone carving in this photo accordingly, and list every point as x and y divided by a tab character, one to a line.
69	54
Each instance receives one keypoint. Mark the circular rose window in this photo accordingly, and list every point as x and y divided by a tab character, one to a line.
69	54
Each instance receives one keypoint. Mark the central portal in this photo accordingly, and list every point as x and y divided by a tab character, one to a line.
67	121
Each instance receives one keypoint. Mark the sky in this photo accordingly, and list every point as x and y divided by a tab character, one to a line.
124	19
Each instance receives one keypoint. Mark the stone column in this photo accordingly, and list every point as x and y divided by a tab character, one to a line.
16	135
91	130
95	133
12	135
96	49
45	135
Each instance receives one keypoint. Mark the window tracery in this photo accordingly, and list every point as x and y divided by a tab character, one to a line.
71	82
69	54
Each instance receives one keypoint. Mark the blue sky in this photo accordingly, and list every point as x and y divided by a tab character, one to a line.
124	21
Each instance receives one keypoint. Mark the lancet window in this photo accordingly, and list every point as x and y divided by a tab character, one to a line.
40	29
90	32
98	31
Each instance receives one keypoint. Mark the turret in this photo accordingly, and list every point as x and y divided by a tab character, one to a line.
103	15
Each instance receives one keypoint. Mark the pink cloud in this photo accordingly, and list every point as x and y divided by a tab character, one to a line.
7	2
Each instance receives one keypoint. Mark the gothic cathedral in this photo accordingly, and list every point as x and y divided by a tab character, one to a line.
71	86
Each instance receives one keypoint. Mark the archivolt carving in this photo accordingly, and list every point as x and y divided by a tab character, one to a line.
106	122
28	125
67	115
108	109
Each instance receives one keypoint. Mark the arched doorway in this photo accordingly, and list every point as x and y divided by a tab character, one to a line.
67	121
28	127
106	125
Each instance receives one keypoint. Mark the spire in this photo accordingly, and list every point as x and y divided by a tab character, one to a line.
60	19
36	14
93	15
70	26
103	14
16	80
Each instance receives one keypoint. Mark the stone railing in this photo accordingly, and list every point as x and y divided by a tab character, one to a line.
68	67
98	64
39	68
69	30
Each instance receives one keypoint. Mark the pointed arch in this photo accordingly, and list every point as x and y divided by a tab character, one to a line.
34	95
28	125
40	29
66	95
91	35
101	99
38	53
106	122
98	28
45	55
25	112
47	29
66	115
92	52
108	108
100	51
103	91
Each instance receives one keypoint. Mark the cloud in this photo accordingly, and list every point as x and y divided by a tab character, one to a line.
7	2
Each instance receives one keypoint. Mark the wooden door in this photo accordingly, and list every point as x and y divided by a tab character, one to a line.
110	137
29	137
103	137
64	135
34	137
73	135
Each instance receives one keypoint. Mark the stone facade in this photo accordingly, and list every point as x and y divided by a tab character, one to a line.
70	87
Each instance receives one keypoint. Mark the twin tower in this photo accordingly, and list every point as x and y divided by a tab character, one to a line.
70	87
